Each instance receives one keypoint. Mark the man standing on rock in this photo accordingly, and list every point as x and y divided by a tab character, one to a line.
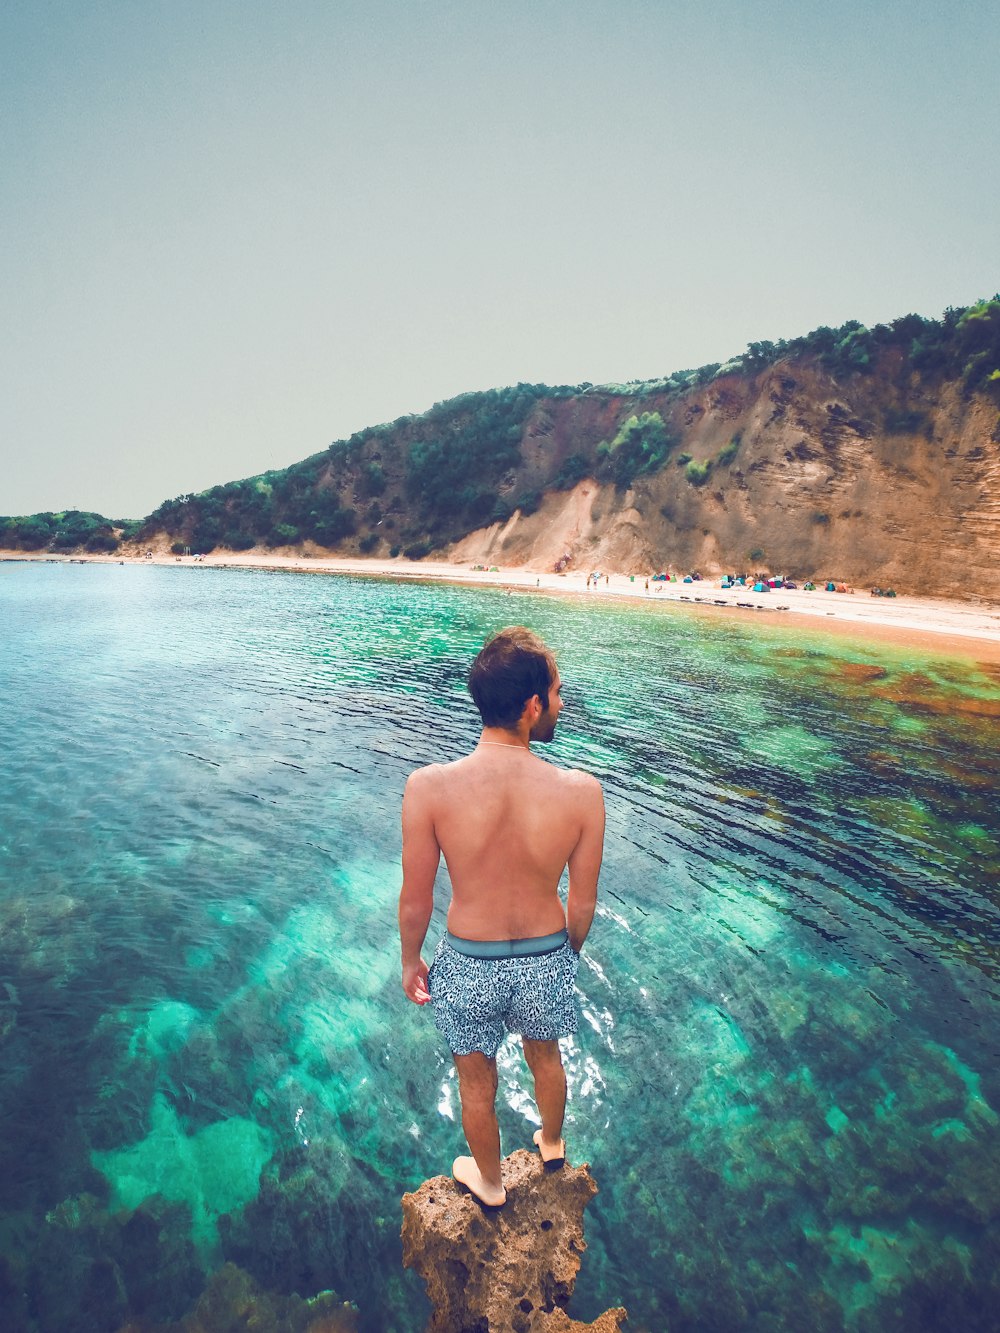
508	824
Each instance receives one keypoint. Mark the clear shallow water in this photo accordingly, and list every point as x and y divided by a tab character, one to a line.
787	1080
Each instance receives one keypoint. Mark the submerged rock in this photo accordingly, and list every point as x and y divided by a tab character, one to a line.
507	1271
90	1268
233	1302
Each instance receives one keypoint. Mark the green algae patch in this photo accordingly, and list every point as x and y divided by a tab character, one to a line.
330	1031
908	725
368	884
754	914
719	1099
976	1103
836	1119
870	1262
165	1030
727	1041
309	934
792	748
213	1171
957	1128
337	934
906	817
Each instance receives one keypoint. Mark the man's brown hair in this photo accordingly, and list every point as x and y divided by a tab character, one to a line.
511	667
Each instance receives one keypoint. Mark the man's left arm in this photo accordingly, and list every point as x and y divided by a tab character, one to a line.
421	857
585	860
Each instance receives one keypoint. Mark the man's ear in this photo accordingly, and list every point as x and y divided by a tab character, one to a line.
533	709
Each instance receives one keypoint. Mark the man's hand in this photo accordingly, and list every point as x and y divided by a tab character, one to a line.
415	983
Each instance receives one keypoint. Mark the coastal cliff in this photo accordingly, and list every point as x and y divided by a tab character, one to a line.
506	1271
801	475
865	455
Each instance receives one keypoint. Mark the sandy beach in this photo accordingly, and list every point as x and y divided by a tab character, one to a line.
949	626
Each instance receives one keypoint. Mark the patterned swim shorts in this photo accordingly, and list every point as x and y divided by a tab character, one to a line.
477	1000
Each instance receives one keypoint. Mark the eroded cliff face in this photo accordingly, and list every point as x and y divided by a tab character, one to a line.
887	474
821	483
510	1270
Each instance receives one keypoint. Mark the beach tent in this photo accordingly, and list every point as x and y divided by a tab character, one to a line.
761	587
831	587
688	578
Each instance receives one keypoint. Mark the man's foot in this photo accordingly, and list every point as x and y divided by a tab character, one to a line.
553	1154
465	1171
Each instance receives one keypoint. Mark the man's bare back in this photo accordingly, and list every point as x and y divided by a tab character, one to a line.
508	824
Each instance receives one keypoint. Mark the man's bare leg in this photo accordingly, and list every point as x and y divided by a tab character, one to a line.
477	1088
545	1062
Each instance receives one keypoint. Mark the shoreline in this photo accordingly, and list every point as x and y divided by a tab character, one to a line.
933	623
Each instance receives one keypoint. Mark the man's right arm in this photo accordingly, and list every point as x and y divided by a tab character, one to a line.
421	857
585	861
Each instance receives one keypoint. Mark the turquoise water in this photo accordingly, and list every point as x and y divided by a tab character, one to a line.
786	1080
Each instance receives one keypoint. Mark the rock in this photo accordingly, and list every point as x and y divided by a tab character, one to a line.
233	1302
559	1322
509	1271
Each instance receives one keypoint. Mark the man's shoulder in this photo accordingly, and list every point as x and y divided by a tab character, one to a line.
425	776
582	782
573	779
430	776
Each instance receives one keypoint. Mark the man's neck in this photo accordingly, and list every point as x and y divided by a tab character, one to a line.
517	739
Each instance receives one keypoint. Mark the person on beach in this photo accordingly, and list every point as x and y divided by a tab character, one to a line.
508	824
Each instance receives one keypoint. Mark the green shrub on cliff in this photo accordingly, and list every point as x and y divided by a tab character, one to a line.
105	542
729	451
283	534
372	479
574	469
698	473
978	334
641	445
330	524
949	345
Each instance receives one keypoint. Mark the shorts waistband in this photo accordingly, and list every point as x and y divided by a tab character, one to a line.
529	948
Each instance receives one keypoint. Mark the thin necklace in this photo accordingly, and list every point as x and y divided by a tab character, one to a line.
505	746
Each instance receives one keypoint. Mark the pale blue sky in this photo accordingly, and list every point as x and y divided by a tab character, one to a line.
233	232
